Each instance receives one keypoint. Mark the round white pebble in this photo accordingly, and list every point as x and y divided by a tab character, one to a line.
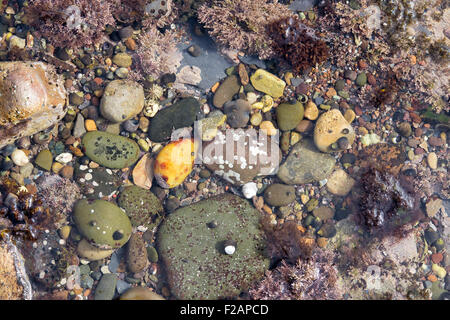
230	249
19	158
249	190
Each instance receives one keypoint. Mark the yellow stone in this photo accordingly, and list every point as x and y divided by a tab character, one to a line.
349	115
56	167
174	163
330	127
287	77
210	125
64	232
311	111
304	198
268	83
90	125
295	137
268	128
267	103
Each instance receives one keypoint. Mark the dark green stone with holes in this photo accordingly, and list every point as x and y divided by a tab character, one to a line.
110	150
191	245
102	223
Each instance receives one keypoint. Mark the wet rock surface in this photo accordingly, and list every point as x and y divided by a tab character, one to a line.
305	164
186	243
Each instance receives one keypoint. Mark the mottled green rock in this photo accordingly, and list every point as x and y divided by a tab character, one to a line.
96	183
106	287
44	159
305	164
179	115
192	250
110	150
267	82
289	115
152	254
361	79
102	223
278	194
225	92
142	206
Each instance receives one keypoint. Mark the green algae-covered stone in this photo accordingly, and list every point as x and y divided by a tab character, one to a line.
44	159
102	223
267	82
142	206
110	150
289	115
191	245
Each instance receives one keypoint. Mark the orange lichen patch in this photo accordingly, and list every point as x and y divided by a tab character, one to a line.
174	163
301	229
10	289
432	278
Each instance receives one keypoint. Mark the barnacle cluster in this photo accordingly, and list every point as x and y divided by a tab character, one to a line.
298	44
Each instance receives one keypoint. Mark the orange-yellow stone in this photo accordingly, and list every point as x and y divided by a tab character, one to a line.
174	163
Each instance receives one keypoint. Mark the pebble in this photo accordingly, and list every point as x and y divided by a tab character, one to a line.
268	128
66	172
361	79
350	74
106	287
237	113
44	159
268	83
79	129
323	213
194	50
226	90
249	190
19	157
311	111
438	270
340	183
289	115
122	60
256	119
432	160
349	115
279	194
330	127
137	259
127	94
405	129
91	253
64	158
140	293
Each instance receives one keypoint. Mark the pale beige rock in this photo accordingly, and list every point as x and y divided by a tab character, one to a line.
432	160
311	111
32	98
140	293
331	126
433	206
91	253
340	183
143	172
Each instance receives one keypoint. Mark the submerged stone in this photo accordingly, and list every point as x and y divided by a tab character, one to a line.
142	206
102	223
110	150
193	252
179	115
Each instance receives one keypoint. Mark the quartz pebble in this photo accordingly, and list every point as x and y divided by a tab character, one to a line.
19	158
